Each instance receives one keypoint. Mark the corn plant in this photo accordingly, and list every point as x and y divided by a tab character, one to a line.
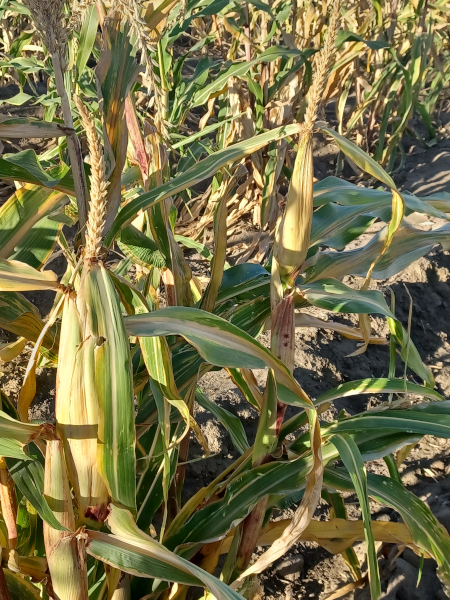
92	505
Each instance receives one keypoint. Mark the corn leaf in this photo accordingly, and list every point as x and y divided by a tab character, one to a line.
16	430
345	193
135	552
378	386
336	296
408	245
426	532
21	127
22	211
116	72
37	246
352	460
19	316
28	476
17	276
140	248
241	68
219	342
406	421
213	521
87	39
19	588
232	424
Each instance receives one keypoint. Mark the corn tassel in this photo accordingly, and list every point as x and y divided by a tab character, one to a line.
64	550
77	419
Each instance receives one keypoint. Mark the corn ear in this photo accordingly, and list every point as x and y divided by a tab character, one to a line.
64	550
107	369
293	234
77	418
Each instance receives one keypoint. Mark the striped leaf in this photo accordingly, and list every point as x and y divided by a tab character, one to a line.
232	424
19	588
16	430
219	342
24	209
378	386
108	366
334	295
417	422
408	245
135	552
17	276
28	476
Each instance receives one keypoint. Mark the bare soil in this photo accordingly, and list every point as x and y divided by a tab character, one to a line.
322	362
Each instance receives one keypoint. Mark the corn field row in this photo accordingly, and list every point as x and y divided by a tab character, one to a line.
162	125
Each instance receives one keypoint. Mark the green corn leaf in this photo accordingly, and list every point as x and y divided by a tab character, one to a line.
219	342
244	282
202	170
11	448
135	552
25	167
242	68
426	531
352	460
361	158
116	72
37	246
16	430
266	434
87	39
28	476
22	211
335	190
139	248
336	296
190	243
390	421
232	424
369	165
408	245
373	446
349	36
377	386
213	521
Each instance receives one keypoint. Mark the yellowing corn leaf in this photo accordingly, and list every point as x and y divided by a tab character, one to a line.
23	210
16	276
